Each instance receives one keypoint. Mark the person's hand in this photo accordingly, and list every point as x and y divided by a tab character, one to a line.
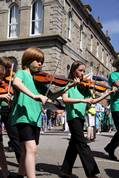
113	90
42	98
6	97
76	80
89	100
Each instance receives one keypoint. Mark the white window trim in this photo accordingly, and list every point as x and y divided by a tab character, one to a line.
8	24
81	37
107	60
102	57
38	34
91	44
97	50
69	26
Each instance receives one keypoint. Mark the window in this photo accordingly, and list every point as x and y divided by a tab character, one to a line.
102	55
107	60
63	3
81	37
13	28
37	17
97	50
69	24
91	43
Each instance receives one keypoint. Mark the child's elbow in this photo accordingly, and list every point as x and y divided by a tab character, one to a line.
65	100
15	83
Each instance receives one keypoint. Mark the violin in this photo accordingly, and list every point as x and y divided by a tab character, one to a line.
4	88
46	78
98	86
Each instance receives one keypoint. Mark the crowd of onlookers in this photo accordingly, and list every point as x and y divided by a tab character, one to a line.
98	119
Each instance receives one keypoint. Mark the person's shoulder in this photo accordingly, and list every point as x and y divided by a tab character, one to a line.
114	73
20	71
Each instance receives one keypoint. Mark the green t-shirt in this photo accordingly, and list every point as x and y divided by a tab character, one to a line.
79	109
25	109
114	76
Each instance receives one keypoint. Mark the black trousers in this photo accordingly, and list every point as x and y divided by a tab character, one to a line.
12	134
115	139
78	145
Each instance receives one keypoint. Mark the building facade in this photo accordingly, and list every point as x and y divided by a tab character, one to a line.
64	29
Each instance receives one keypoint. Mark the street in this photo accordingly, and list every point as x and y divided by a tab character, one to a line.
51	152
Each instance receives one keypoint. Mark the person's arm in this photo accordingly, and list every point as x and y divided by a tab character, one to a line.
17	83
107	93
64	90
66	99
116	83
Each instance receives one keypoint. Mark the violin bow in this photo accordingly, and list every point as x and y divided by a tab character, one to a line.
11	75
51	80
96	80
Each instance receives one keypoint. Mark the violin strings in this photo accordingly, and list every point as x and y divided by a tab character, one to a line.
51	80
11	74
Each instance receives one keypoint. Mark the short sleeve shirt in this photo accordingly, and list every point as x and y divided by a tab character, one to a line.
25	109
77	110
113	77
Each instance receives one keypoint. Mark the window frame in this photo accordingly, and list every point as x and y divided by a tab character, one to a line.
69	28
41	19
11	24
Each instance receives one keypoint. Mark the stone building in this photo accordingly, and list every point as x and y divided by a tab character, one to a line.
64	29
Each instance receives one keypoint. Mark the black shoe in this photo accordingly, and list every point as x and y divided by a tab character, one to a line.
64	175
111	154
92	140
11	176
112	157
20	176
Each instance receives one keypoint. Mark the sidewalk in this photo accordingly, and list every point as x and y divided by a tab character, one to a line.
51	152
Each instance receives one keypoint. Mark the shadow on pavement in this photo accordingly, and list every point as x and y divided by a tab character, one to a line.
12	164
49	169
100	154
112	173
53	134
110	136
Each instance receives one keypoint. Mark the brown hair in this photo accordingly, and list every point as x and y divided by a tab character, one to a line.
2	71
30	55
74	66
6	62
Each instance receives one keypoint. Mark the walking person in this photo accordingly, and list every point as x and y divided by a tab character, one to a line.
76	99
113	80
98	107
3	162
12	133
26	110
91	122
6	98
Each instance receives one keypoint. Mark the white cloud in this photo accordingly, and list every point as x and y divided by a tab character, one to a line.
112	26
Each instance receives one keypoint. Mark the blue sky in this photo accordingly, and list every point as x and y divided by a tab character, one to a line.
108	11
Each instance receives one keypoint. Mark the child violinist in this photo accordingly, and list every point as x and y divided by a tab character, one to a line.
26	110
3	97
76	99
10	64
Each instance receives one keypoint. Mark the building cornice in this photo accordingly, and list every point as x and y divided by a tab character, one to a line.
39	41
